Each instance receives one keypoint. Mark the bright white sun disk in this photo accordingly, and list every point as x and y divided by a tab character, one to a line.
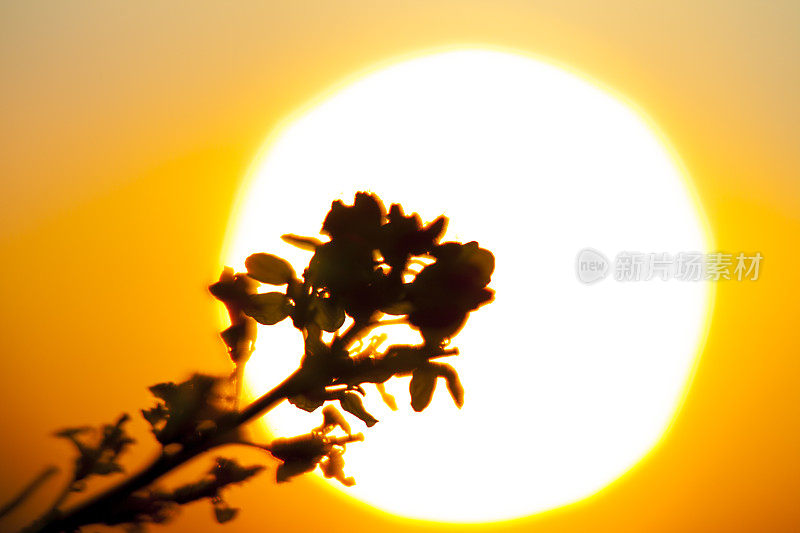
567	386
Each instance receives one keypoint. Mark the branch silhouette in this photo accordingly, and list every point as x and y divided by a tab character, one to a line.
356	278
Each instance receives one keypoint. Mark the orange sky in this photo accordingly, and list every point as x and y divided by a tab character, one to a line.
126	131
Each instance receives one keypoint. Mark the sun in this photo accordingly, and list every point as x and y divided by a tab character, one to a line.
568	385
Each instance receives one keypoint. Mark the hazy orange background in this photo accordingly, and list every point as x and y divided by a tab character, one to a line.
126	131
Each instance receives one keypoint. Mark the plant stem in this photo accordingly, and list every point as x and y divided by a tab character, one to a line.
28	490
54	511
103	505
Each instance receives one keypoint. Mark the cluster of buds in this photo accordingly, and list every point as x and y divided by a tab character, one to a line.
304	453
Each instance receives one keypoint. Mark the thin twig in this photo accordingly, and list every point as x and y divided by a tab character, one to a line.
29	489
94	510
358	329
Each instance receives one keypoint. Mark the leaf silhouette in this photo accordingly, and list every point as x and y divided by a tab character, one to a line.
302	401
302	447
332	419
328	315
306	243
423	382
98	449
387	398
303	453
234	291
398	308
184	407
293	468
268	268
453	382
227	471
232	288
269	308
225	514
240	339
332	466
351	402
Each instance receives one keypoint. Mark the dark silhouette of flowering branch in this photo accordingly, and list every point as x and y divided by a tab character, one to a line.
359	276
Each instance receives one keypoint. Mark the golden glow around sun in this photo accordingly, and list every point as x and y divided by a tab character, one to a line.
567	386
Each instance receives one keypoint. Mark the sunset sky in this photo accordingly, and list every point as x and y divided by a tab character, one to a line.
127	129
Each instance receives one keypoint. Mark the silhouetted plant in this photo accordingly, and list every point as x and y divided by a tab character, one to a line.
353	281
